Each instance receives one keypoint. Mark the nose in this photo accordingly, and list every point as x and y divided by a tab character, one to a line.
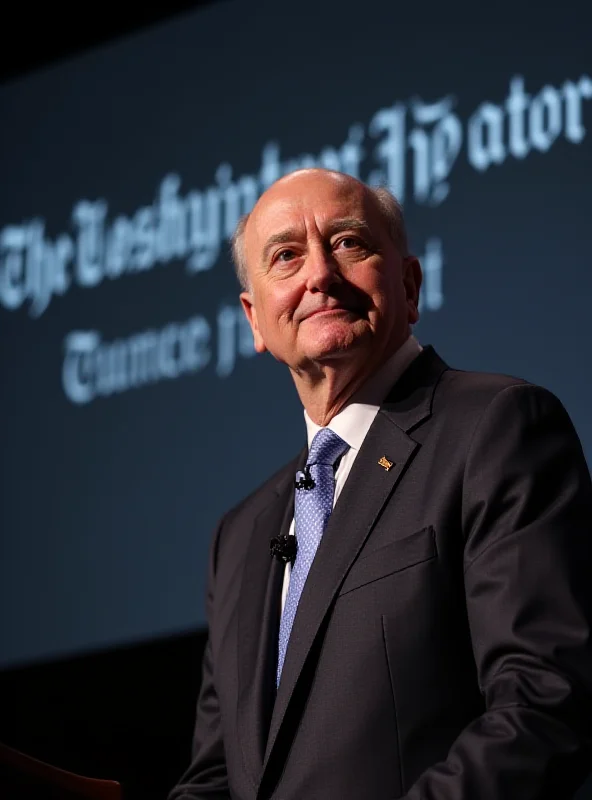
322	270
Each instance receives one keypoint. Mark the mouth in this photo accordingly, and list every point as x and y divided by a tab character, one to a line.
330	311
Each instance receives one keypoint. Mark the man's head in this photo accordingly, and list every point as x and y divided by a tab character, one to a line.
326	275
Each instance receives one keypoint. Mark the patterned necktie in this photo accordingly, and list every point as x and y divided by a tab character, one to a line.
312	509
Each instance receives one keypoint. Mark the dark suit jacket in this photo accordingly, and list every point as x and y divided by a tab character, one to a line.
442	647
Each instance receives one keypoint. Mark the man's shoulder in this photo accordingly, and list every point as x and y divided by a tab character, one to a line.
469	393
454	389
475	386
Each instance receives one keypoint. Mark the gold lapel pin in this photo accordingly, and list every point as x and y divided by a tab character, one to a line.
384	462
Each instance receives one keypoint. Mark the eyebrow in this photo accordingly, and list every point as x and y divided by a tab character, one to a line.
335	226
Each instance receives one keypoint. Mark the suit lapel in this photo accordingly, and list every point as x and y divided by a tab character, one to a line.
259	608
408	404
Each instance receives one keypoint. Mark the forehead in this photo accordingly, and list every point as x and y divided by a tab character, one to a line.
305	204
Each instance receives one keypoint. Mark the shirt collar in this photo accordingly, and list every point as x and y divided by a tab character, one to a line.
353	422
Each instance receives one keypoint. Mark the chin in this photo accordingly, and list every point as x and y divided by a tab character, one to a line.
327	339
325	348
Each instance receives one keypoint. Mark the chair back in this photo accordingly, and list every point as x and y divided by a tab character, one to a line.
25	778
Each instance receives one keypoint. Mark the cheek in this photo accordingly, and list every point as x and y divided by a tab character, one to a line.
388	298
378	290
286	300
277	306
372	279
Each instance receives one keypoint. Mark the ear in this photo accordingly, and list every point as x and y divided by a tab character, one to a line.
412	277
248	305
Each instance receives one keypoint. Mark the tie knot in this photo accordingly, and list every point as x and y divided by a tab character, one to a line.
326	448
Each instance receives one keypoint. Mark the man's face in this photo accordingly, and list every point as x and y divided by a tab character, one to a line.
326	280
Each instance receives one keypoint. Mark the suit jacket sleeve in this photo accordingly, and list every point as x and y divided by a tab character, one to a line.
527	522
206	777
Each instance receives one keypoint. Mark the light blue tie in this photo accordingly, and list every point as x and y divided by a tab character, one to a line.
312	509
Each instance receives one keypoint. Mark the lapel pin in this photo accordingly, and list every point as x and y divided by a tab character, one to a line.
384	462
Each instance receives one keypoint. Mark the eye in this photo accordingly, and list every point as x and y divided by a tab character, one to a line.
348	243
285	255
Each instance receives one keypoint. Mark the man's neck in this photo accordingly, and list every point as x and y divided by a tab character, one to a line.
325	395
325	389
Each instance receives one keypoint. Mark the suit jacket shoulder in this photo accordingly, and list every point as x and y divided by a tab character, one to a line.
465	398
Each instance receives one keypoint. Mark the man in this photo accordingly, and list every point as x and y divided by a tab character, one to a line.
432	637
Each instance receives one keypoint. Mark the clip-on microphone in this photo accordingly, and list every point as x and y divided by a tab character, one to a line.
306	481
284	548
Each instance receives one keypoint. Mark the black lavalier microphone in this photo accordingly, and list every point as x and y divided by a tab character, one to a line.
284	548
305	481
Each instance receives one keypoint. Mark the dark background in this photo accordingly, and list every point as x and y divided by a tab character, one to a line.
126	714
128	487
126	711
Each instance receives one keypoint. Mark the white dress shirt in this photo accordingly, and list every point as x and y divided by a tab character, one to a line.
354	420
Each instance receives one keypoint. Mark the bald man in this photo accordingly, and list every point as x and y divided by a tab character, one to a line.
404	610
